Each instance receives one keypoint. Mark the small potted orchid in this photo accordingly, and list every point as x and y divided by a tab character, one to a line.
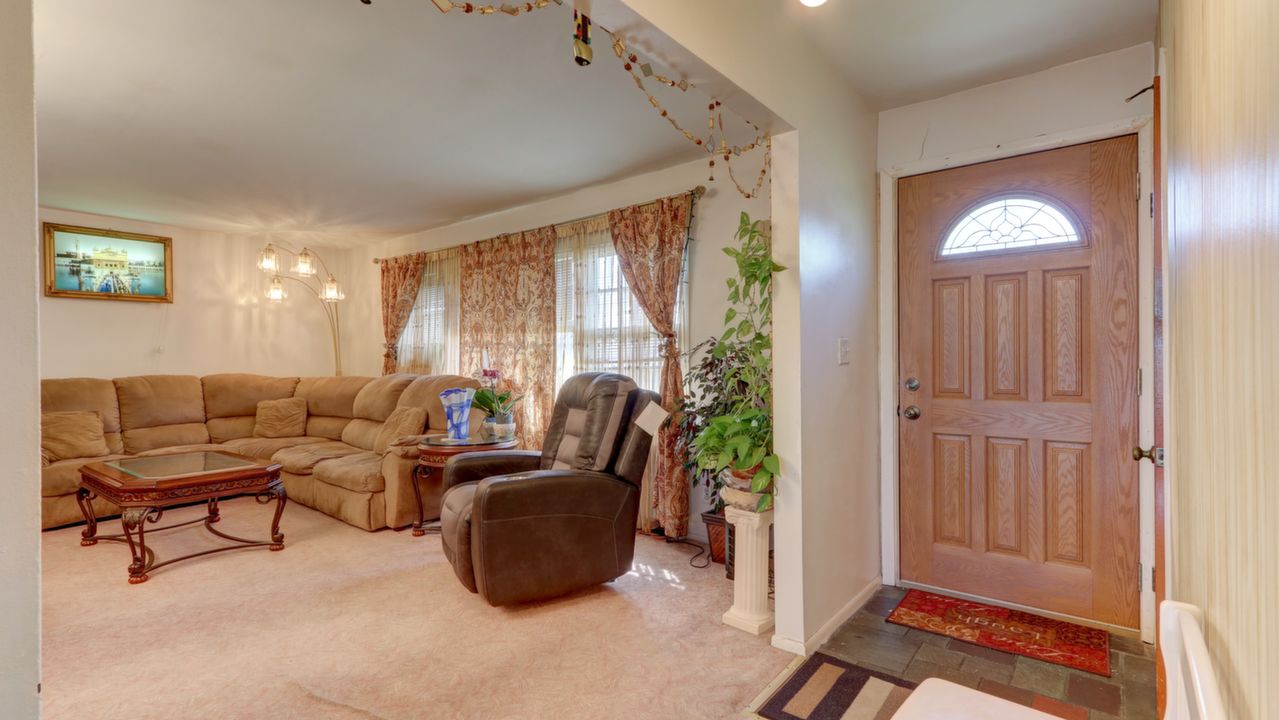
498	406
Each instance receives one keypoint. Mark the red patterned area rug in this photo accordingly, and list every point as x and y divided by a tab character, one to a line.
1021	633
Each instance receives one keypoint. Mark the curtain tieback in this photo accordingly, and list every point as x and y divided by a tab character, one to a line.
670	347
392	351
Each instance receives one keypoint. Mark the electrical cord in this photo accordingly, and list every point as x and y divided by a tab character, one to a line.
701	551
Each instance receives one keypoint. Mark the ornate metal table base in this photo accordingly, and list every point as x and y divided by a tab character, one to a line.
135	520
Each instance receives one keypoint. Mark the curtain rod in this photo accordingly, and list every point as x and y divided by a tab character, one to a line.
696	192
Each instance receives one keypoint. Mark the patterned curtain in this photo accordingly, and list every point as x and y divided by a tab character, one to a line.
650	240
401	278
508	310
429	343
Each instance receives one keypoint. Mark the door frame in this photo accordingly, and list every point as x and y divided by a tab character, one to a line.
890	525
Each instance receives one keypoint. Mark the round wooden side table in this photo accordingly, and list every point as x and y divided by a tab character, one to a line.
434	454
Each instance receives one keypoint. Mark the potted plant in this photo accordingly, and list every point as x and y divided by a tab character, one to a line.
706	396
499	411
739	440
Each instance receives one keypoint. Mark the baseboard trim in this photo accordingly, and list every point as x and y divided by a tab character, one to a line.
824	633
790	645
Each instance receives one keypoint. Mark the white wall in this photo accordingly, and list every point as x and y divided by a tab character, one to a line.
1067	98
715	220
19	360
1223	302
219	321
823	211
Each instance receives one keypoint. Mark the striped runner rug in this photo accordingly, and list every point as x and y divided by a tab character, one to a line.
827	688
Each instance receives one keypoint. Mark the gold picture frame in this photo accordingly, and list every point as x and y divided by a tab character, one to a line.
83	262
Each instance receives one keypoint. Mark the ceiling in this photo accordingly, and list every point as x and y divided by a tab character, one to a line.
897	52
329	117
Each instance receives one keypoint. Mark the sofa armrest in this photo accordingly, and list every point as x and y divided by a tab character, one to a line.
476	466
407	446
584	523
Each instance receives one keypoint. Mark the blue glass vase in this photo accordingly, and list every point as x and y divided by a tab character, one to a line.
457	409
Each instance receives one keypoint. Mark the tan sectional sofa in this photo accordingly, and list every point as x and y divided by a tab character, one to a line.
334	468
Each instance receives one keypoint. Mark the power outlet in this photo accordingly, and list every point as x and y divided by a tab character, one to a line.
841	351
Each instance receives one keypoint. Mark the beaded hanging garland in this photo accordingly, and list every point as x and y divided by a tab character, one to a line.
716	141
508	8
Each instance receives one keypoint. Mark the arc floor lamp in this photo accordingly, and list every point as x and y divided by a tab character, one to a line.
307	266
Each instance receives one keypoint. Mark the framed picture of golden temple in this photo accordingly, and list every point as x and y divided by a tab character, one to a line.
82	262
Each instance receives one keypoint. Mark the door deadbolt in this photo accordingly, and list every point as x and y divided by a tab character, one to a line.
912	384
912	412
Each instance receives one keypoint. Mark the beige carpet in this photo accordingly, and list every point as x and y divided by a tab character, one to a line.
346	624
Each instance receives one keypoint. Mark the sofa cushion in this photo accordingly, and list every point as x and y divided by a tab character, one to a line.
230	428
403	422
264	448
326	427
178	449
231	401
302	459
238	394
144	439
361	433
63	476
281	418
424	392
155	400
331	396
361	472
161	410
72	434
62	394
377	399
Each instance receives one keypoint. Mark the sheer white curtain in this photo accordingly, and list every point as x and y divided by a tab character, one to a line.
599	325
430	344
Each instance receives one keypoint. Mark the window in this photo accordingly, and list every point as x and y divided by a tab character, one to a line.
429	344
599	325
1010	223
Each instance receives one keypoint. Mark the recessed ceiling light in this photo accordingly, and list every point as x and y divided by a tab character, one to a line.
813	3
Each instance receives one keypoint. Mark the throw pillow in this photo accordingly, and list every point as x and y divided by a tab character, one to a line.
72	434
281	418
401	422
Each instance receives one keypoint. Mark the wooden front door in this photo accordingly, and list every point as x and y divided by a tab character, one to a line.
1018	388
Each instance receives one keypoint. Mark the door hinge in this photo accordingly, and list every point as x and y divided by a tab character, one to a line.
1141	575
1139	382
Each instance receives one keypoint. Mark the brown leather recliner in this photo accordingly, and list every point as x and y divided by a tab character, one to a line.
526	525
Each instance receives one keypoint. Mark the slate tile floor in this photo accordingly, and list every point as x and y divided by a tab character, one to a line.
1129	694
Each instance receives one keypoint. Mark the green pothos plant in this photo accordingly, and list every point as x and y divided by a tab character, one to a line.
739	437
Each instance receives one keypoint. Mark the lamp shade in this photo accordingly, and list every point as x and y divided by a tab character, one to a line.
331	291
268	259
304	264
275	292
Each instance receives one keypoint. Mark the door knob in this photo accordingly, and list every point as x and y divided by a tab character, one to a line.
912	412
1154	455
912	384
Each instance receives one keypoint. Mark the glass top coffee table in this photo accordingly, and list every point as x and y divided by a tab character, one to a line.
144	486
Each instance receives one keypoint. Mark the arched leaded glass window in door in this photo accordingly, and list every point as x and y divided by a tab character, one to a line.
1019	222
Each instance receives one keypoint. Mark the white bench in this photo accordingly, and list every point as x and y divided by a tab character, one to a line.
1193	693
936	698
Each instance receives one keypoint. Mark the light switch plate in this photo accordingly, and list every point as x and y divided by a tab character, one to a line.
841	351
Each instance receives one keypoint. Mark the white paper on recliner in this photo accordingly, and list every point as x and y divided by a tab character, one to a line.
650	421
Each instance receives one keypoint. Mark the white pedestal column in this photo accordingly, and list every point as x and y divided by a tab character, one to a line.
750	610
